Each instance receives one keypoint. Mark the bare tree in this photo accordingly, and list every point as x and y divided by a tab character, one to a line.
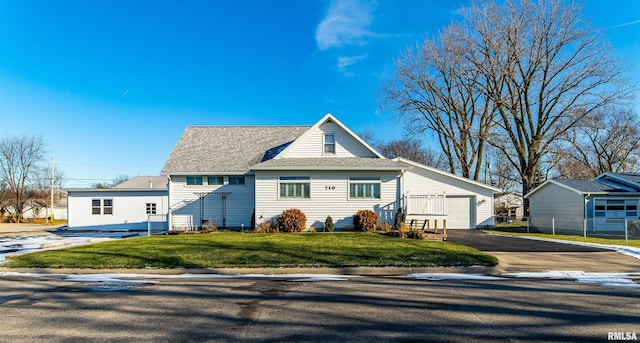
545	69
532	69
119	179
19	158
607	140
434	90
413	150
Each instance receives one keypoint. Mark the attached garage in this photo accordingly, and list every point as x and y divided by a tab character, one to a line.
469	204
461	212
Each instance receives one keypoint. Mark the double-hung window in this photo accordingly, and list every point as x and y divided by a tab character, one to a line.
297	187
107	206
364	188
96	207
101	206
329	144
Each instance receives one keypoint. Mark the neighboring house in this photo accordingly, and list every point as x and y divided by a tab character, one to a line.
509	206
603	204
223	174
131	205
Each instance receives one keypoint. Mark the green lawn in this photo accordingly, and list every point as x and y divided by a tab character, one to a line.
633	242
235	249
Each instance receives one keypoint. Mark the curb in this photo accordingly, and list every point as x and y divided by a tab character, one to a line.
362	271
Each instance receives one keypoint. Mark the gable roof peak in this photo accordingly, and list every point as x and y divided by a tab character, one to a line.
329	117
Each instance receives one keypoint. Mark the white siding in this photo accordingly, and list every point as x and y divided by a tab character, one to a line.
129	209
185	205
311	145
560	203
329	196
418	181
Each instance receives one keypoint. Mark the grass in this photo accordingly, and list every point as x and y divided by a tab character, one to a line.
608	241
235	249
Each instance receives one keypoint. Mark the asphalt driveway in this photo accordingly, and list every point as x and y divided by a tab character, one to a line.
525	255
484	241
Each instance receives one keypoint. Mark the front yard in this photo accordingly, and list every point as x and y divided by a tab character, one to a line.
235	249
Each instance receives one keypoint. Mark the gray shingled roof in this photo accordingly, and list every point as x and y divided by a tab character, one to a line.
589	186
317	163
142	182
223	149
631	177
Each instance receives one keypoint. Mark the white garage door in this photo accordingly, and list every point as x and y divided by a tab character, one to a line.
461	212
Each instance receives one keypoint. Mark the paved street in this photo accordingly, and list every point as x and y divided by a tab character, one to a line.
362	310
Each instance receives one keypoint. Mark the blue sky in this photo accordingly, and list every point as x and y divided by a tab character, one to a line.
112	84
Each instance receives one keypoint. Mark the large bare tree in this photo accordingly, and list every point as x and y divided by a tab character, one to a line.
516	74
545	68
433	91
608	140
20	156
412	149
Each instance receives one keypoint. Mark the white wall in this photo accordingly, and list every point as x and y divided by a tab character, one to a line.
419	181
129	209
329	196
312	144
185	205
560	203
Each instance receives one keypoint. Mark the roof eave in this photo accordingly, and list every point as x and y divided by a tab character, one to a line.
332	168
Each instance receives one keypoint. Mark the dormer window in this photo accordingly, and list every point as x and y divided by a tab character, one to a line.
329	144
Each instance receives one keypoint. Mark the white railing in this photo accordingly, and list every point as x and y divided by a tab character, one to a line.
429	204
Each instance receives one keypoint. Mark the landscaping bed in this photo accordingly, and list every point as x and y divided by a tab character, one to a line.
237	249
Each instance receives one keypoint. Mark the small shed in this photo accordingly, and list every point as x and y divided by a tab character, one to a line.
132	205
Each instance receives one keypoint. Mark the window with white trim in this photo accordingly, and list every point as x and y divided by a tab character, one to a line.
107	206
194	180
215	180
364	188
295	187
329	144
96	207
151	208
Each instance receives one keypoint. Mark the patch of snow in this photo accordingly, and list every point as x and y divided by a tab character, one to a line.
451	276
617	280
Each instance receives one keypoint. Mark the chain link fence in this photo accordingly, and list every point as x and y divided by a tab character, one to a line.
613	228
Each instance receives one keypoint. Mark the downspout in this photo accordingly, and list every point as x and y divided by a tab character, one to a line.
169	217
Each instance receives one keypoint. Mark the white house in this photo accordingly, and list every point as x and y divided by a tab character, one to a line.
131	205
222	174
604	204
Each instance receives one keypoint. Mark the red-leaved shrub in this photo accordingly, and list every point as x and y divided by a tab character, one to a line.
292	220
365	220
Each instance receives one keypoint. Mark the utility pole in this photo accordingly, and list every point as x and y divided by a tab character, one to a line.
52	184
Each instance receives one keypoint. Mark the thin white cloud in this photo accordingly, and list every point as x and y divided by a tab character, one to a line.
625	24
346	23
345	61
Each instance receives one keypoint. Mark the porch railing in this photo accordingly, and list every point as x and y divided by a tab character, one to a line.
428	204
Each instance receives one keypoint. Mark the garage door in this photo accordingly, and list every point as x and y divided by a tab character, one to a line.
461	212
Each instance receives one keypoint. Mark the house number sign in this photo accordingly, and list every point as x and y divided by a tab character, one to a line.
330	187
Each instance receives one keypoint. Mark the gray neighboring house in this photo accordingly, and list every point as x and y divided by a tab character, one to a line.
130	205
604	204
222	174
